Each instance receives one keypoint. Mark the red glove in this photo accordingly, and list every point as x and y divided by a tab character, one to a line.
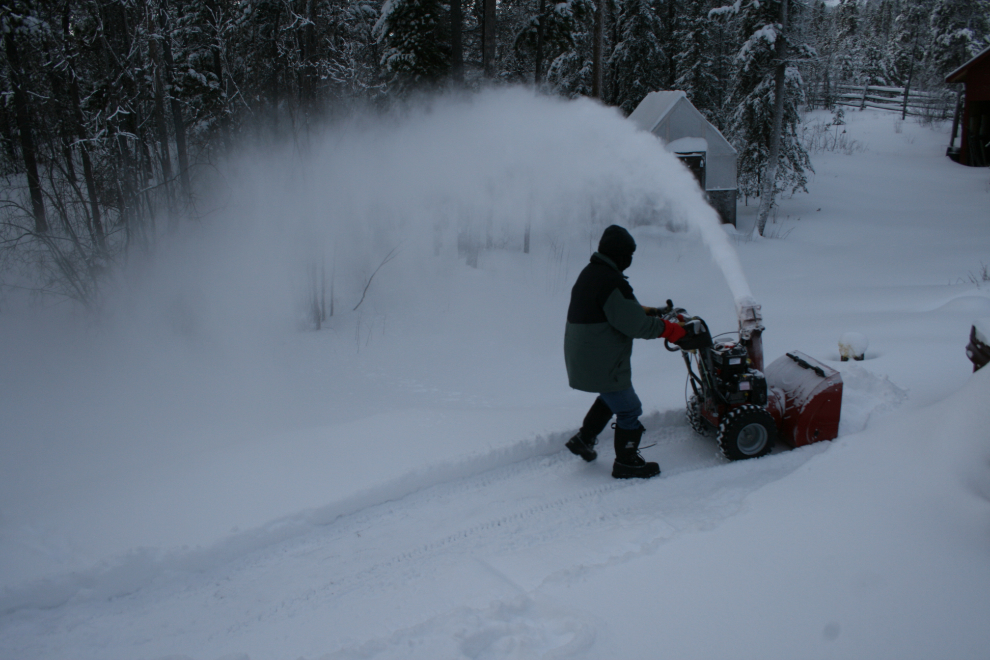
673	332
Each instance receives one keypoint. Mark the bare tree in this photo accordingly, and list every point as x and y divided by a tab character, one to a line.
25	127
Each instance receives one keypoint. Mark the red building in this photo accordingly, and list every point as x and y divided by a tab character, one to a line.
974	148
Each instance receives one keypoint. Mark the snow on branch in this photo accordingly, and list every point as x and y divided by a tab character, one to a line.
730	10
759	41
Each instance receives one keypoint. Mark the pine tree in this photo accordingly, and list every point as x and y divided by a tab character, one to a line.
849	61
909	41
415	51
638	61
821	78
960	31
751	123
550	32
697	63
569	74
882	19
874	70
847	20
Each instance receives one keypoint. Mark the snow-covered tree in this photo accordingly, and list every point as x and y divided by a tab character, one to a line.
751	127
881	19
847	20
848	55
415	49
820	75
872	42
873	64
751	124
697	63
549	32
960	30
569	73
638	61
201	83
909	39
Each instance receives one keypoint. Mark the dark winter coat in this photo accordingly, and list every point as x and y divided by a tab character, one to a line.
603	319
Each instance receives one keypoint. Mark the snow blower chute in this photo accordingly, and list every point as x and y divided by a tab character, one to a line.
796	399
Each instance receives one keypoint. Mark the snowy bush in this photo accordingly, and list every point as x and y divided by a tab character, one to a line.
820	137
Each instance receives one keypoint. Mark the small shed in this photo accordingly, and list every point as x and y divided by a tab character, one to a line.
686	133
974	147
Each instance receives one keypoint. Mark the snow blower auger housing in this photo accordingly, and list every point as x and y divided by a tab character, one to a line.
797	399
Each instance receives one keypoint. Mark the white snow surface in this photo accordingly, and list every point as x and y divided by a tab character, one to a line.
195	475
982	327
687	145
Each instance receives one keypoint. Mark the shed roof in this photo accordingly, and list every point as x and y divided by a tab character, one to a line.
652	109
671	116
682	129
959	75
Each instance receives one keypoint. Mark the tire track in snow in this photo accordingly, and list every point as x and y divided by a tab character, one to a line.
503	522
696	499
406	549
510	525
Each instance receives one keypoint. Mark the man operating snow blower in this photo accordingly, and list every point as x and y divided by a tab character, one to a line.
603	319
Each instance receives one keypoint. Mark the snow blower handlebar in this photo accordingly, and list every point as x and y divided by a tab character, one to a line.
696	331
662	312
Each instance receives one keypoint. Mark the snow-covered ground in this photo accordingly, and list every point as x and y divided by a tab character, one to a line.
190	477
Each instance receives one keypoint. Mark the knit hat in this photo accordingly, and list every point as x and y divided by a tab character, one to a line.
618	245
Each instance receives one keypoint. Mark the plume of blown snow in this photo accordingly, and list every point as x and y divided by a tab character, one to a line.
450	171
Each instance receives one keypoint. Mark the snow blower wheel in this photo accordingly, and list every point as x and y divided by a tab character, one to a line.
747	432
695	419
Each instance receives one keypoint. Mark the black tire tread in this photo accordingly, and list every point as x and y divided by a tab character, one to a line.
735	420
697	422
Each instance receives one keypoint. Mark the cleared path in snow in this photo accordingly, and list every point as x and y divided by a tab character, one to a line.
454	554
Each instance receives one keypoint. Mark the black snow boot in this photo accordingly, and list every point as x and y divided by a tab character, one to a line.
583	442
628	463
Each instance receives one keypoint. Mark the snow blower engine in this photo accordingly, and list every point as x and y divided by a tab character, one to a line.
797	399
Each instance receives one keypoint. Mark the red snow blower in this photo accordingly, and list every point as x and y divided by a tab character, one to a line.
797	399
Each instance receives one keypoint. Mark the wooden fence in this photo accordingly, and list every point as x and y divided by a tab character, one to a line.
933	105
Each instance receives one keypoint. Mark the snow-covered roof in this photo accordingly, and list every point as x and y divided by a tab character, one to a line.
687	145
652	109
959	75
671	117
